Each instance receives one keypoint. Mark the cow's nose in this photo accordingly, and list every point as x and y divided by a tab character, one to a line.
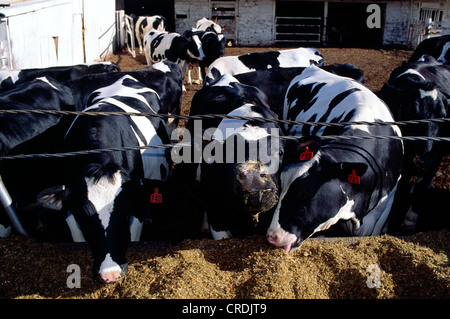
252	176
111	276
272	238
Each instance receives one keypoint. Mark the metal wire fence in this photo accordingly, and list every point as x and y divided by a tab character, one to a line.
224	116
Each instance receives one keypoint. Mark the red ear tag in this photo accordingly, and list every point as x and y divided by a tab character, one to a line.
306	155
156	197
353	178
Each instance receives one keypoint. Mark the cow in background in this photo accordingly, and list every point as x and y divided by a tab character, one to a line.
213	44
144	24
233	65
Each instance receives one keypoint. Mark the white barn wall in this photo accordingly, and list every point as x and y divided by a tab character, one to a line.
99	28
47	33
255	24
39	41
255	19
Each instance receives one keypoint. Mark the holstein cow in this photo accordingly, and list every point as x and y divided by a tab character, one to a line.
416	91
275	81
300	57
144	24
213	45
436	47
60	73
164	77
208	25
325	181
16	129
172	46
103	191
236	165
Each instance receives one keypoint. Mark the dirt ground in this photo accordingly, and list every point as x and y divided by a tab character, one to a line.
372	267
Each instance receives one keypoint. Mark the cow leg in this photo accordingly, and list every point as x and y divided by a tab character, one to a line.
135	229
189	79
200	80
205	224
75	230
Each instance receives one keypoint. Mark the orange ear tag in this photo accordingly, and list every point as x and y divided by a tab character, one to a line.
306	155
353	178
156	197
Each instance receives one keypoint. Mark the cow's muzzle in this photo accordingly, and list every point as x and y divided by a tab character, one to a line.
254	187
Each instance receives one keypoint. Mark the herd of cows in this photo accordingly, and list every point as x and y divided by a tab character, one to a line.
278	163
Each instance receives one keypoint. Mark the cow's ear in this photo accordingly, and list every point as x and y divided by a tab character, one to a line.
301	150
53	197
350	172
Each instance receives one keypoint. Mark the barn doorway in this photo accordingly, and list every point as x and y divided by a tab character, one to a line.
165	8
298	22
347	26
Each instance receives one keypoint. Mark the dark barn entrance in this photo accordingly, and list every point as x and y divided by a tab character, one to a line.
347	25
165	8
298	22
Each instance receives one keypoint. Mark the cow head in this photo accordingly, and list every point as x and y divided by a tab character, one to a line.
239	174
104	201
213	46
195	50
317	191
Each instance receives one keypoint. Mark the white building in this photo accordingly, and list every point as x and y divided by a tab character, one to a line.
339	22
42	33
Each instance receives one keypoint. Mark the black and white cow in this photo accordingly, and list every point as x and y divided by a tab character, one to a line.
208	25
416	91
436	47
16	129
275	81
60	73
327	181
144	24
300	57
164	77
103	191
237	161
213	45
161	45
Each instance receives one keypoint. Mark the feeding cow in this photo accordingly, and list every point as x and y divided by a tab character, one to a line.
417	91
436	47
103	191
144	24
16	129
325	182
164	77
237	161
300	57
60	73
